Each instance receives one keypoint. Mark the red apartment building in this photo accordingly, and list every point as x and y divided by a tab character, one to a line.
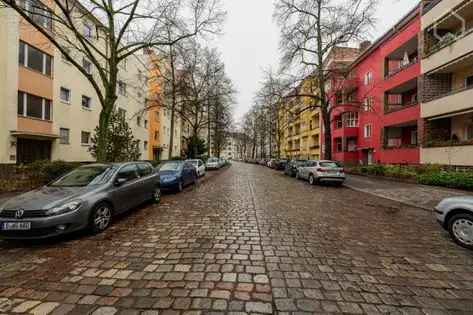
376	111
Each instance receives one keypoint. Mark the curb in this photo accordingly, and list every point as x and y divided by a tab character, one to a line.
389	198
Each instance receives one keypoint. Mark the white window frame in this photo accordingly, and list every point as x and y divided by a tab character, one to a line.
368	77
88	139
89	68
68	136
368	130
43	108
82	102
68	101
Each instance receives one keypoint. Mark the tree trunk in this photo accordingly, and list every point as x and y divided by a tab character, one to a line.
174	101
102	135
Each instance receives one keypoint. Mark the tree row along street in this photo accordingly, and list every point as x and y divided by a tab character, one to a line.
247	239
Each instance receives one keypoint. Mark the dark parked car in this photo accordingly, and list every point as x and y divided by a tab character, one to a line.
175	175
291	167
280	165
86	197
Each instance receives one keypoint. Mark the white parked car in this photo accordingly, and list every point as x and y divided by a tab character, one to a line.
321	171
213	164
199	166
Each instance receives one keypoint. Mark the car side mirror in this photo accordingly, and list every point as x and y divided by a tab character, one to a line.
120	181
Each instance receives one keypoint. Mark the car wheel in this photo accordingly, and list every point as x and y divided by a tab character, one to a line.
311	179
157	195
460	227
180	186
100	218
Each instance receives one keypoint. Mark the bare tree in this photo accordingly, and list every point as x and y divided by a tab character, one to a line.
310	29
120	29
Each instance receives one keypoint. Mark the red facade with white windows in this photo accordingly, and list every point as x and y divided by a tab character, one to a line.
375	107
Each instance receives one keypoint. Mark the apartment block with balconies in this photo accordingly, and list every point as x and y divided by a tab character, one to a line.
447	82
48	109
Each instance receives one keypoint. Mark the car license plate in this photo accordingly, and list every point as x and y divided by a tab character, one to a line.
16	226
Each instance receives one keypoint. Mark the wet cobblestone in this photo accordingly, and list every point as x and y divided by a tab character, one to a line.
248	240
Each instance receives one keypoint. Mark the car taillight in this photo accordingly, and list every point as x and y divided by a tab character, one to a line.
342	170
321	170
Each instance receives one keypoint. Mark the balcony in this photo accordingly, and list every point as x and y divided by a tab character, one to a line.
449	36
402	136
402	64
449	89
401	97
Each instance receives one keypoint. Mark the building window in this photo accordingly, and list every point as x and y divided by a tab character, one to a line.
38	12
87	65
65	95
368	131
87	31
85	138
33	106
138	121
35	59
122	88
368	104
145	145
156	135
64	136
469	132
339	144
350	119
414	137
368	78
86	102
146	124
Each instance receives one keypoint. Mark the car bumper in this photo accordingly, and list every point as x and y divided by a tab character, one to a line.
440	216
46	227
169	185
335	179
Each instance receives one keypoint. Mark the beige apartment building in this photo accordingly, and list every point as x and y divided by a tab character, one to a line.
48	109
447	70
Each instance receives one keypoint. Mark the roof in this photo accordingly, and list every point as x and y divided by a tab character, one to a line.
392	31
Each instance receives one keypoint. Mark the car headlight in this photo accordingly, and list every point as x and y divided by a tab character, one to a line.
68	207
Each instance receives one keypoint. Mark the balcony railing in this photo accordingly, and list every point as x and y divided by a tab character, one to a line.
446	143
393	72
452	92
447	40
391	108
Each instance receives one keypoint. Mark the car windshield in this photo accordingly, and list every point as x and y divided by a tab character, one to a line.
212	160
85	176
300	163
329	165
194	162
171	166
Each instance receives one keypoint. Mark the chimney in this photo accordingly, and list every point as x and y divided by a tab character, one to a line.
364	45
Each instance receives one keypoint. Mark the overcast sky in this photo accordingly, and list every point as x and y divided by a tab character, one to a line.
250	42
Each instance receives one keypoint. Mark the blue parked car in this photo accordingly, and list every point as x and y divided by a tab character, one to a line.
175	175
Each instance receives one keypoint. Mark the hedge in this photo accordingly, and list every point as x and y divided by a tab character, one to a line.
432	175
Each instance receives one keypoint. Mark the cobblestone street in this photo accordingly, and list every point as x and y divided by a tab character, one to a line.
247	240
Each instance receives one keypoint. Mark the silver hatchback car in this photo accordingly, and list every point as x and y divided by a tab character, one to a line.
455	215
321	171
85	198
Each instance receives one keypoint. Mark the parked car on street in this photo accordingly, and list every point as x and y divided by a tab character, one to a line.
455	215
291	167
85	198
175	175
199	166
321	171
280	165
213	163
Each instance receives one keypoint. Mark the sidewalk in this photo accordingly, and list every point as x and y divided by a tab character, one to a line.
420	196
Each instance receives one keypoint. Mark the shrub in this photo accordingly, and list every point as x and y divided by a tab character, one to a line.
47	171
447	179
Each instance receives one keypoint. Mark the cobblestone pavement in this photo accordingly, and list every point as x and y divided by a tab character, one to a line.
421	196
247	241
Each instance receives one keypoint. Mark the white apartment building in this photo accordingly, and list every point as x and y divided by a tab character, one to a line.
48	109
447	79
